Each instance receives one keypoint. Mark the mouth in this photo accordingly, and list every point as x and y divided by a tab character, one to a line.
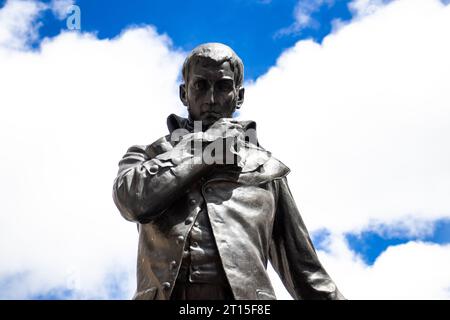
211	114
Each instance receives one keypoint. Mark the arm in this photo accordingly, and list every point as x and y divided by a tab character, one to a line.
146	186
293	255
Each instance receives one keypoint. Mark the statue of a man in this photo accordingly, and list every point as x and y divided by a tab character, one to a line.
212	206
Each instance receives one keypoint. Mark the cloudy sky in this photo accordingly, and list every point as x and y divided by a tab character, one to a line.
353	96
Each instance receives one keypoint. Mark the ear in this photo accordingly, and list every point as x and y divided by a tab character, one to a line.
183	94
240	99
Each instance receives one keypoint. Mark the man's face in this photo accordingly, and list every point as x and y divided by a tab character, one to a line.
211	92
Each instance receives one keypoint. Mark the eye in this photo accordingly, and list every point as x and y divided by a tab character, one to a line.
200	85
224	85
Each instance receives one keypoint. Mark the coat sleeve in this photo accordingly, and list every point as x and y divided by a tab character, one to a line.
292	253
146	185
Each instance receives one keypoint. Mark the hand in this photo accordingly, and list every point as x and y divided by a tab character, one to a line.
221	142
224	128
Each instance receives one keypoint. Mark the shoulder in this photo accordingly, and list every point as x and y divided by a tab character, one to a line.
275	168
264	170
159	146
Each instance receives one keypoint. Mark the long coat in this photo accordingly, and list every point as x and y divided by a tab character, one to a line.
252	213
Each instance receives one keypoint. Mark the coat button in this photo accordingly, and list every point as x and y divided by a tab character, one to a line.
153	169
166	285
208	190
180	239
192	201
173	264
189	220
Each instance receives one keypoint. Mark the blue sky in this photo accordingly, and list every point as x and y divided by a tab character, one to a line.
370	244
369	173
251	27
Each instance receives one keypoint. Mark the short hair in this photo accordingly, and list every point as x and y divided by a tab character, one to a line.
218	53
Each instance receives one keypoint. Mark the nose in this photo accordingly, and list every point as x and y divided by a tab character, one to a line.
210	97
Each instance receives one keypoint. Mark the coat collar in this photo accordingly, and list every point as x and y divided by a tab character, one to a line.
253	157
175	122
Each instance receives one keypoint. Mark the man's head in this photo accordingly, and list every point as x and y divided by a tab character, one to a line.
213	83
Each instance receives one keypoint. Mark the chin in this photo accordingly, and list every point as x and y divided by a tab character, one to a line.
210	120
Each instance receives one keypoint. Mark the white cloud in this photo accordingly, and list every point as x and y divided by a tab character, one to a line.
363	119
369	111
60	7
303	16
70	111
18	24
362	8
415	270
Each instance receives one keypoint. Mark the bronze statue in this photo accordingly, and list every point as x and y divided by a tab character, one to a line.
211	205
